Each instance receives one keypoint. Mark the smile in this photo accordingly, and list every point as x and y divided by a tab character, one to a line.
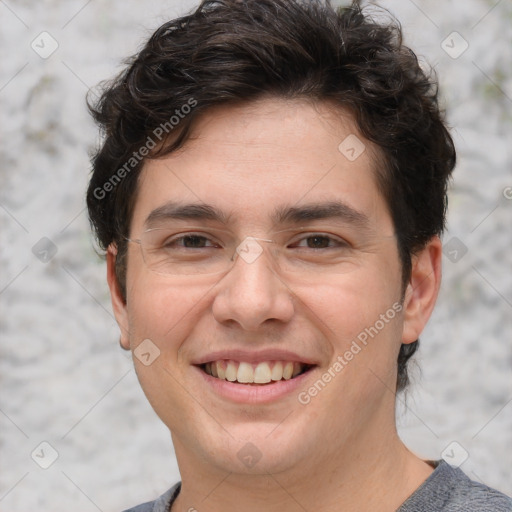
264	372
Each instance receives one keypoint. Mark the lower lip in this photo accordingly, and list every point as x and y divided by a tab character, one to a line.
254	394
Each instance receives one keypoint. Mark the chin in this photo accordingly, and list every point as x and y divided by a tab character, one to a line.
256	450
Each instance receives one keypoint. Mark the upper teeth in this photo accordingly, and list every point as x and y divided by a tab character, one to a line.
248	373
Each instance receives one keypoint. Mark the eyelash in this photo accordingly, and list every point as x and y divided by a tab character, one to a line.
339	243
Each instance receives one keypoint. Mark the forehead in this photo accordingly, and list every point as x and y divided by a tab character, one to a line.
252	160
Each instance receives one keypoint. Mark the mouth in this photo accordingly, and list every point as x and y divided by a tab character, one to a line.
263	373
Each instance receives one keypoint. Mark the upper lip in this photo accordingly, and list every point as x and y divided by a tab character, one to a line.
254	356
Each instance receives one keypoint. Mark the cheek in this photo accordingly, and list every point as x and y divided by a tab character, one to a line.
360	317
363	345
162	309
347	304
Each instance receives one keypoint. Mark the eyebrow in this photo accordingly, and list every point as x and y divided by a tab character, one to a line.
179	211
335	210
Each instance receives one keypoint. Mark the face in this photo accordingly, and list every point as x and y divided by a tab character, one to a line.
287	352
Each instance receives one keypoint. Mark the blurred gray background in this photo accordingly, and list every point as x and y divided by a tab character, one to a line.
65	382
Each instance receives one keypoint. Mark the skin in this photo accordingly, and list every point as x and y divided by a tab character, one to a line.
341	451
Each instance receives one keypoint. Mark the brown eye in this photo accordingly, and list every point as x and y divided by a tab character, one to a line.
318	242
193	241
190	241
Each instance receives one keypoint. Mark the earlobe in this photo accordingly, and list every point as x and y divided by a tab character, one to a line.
422	290
118	302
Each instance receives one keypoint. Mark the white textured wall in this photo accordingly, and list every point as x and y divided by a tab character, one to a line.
63	378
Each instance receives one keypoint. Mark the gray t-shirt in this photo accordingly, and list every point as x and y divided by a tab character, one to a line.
447	489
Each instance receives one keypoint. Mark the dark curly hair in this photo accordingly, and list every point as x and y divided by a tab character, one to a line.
239	50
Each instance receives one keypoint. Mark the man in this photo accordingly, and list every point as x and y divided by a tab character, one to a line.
270	194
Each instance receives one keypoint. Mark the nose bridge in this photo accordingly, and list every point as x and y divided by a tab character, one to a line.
253	292
251	248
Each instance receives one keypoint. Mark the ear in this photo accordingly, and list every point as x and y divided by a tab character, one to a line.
422	290
118	303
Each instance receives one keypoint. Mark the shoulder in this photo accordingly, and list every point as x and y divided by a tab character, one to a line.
161	504
448	489
468	496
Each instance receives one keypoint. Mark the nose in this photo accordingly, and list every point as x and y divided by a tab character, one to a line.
253	293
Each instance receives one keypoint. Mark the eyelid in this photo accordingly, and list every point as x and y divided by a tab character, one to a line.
334	238
328	231
182	236
208	232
